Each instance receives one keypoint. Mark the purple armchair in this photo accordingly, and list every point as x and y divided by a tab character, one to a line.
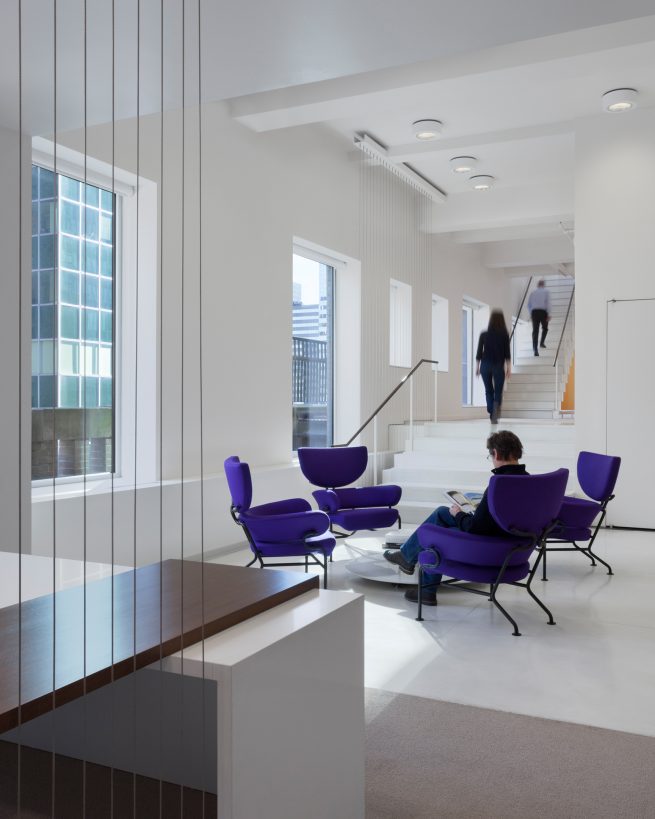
526	507
370	507
286	528
597	475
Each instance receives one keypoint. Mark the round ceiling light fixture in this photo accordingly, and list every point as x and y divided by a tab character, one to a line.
482	181
619	100
463	164
427	129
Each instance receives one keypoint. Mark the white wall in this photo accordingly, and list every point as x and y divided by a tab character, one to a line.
259	191
615	257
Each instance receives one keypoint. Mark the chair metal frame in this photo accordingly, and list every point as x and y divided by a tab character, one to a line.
597	476
454	583
259	557
575	547
355	475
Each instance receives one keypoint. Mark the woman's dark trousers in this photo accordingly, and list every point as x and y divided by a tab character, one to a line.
493	376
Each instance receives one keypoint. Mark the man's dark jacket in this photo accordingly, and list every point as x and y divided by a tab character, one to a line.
481	522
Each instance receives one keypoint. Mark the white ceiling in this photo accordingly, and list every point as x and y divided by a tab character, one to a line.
508	78
514	107
248	46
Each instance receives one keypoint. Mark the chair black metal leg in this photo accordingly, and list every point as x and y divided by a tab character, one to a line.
400	526
543	568
325	565
306	563
528	586
419	615
586	551
494	589
516	632
599	559
254	560
589	551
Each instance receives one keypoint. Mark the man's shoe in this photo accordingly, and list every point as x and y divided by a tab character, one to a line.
494	414
542	345
536	352
428	598
396	557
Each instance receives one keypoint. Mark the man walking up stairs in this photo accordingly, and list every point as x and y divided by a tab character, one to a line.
536	383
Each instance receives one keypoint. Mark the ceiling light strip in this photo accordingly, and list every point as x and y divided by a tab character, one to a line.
369	146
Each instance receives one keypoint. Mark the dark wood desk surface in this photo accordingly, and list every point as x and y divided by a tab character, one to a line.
55	668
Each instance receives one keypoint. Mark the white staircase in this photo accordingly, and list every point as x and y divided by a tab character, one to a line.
536	387
452	455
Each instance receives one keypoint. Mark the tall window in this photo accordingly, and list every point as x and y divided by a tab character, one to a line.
400	324
440	333
467	354
73	294
312	352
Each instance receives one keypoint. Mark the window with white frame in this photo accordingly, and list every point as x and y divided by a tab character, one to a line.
400	324
312	357
467	354
440	333
475	318
73	326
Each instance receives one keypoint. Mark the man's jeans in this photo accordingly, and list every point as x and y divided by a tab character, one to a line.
411	547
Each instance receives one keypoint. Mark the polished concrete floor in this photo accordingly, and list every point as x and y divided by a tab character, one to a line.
596	666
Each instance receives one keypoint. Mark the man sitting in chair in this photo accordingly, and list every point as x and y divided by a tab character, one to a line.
505	451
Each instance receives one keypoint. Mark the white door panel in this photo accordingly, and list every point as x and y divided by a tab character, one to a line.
631	409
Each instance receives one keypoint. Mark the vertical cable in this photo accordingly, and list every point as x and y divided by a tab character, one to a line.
183	228
55	369
202	463
84	416
136	377
113	359
161	380
20	398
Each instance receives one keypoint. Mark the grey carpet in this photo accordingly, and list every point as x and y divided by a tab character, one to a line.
427	758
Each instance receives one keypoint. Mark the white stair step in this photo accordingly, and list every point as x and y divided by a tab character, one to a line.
532	395
551	430
512	402
532	414
449	448
448	476
531	378
424	462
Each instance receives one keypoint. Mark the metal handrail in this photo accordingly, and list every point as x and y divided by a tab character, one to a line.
568	310
388	398
518	315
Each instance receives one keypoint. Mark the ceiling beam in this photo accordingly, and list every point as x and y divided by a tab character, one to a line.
528	229
414	151
345	97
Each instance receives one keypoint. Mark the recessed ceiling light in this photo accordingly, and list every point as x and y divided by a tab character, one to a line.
482	182
427	129
619	100
463	164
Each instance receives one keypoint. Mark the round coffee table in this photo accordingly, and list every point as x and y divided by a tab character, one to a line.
368	560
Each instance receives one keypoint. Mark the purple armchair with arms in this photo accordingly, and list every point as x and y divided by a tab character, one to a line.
526	507
597	475
286	528
370	507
